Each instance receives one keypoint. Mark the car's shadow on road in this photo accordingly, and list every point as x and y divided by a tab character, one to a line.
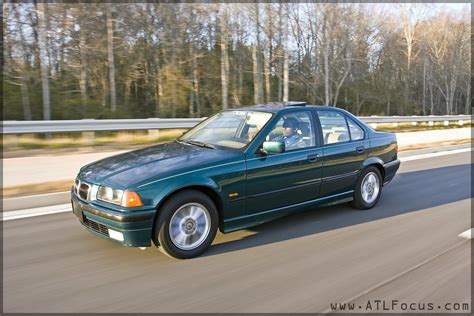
409	192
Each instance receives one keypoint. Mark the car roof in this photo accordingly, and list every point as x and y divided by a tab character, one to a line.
275	107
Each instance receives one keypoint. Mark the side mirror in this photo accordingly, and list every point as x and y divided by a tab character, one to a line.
273	147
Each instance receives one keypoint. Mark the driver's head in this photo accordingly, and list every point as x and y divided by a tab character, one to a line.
290	125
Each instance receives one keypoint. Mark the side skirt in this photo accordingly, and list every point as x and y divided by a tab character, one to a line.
250	220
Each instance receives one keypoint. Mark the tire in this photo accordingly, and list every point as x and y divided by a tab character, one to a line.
186	225
369	180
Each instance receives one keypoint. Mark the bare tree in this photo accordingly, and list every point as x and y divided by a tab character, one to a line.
40	9
285	55
110	57
326	52
83	66
256	63
25	73
223	19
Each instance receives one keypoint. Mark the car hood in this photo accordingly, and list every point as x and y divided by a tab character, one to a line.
152	163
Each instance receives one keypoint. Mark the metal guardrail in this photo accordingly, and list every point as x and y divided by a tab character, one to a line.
414	118
25	127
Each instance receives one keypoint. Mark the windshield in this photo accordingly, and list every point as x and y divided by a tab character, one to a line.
233	129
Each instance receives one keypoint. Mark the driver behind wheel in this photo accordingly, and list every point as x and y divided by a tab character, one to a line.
290	136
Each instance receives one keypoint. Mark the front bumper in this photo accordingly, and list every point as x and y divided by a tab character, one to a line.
136	226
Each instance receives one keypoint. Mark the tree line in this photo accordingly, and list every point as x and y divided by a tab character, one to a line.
135	60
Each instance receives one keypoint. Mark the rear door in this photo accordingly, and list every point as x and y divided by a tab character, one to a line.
345	149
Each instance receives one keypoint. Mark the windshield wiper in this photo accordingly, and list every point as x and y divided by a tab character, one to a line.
198	143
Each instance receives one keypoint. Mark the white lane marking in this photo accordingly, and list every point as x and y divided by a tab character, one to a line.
437	154
467	234
62	208
31	212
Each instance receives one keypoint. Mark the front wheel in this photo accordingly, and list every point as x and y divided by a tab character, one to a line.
187	225
368	188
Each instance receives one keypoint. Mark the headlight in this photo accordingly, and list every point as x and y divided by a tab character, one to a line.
119	197
110	195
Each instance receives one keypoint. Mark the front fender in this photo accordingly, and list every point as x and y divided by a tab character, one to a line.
156	195
222	183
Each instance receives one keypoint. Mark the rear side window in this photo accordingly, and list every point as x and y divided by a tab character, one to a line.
357	133
334	127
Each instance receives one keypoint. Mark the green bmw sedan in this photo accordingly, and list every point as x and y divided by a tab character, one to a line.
239	168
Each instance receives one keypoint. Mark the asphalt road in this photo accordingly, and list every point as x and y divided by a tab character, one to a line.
405	249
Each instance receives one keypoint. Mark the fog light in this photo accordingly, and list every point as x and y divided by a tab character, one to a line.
115	235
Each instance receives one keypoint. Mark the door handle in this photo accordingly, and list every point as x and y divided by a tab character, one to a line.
360	149
313	158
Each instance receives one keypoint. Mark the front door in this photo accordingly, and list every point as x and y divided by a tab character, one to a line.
276	181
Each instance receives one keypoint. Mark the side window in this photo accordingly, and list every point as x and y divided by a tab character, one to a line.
357	133
334	127
295	130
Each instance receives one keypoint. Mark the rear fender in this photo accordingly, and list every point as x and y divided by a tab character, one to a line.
376	162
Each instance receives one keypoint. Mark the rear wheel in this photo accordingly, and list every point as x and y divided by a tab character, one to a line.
368	188
187	225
